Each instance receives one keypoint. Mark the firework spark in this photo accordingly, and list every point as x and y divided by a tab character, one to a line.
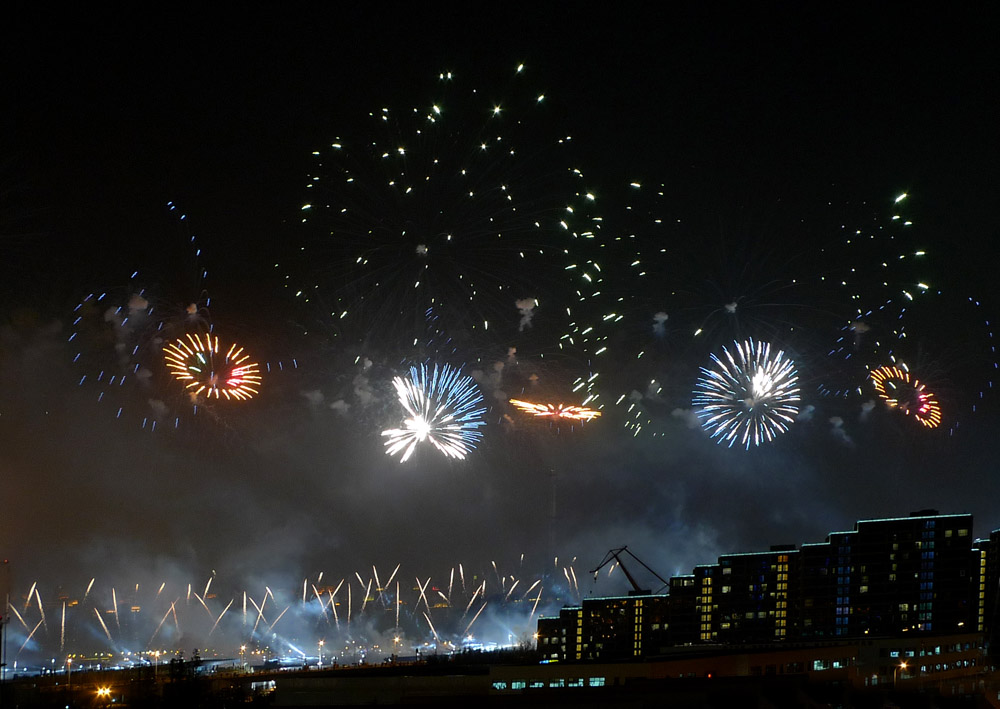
443	213
749	395
442	408
205	371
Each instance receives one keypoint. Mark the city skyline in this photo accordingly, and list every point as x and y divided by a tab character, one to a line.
736	155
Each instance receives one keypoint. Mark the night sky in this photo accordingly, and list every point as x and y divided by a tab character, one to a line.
762	139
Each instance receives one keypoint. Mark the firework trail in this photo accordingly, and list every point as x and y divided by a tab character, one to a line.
216	623
13	610
474	618
107	632
31	635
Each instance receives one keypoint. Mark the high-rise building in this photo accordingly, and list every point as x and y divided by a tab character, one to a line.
905	574
752	596
987	587
682	622
814	596
923	574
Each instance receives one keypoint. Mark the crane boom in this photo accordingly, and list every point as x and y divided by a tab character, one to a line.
615	554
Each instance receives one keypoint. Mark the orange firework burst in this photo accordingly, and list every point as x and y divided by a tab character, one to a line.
561	411
200	364
895	386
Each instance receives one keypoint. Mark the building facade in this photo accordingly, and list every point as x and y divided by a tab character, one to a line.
918	575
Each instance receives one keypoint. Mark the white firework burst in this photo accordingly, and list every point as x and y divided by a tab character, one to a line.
443	409
749	395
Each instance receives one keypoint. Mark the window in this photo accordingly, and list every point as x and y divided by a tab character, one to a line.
596	682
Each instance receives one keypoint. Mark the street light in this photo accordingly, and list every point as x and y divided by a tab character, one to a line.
900	666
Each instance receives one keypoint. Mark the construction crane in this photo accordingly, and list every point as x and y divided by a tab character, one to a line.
637	590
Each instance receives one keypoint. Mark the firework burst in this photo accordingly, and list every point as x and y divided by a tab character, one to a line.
901	391
451	224
210	371
443	408
556	411
750	395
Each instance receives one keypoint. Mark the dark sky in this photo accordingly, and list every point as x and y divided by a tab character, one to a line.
794	126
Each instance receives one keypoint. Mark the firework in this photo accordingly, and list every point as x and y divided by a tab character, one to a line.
875	272
898	313
118	334
559	411
750	395
117	337
206	372
450	224
442	407
164	618
899	390
688	281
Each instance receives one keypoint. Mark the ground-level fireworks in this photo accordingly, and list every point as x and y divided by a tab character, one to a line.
364	616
